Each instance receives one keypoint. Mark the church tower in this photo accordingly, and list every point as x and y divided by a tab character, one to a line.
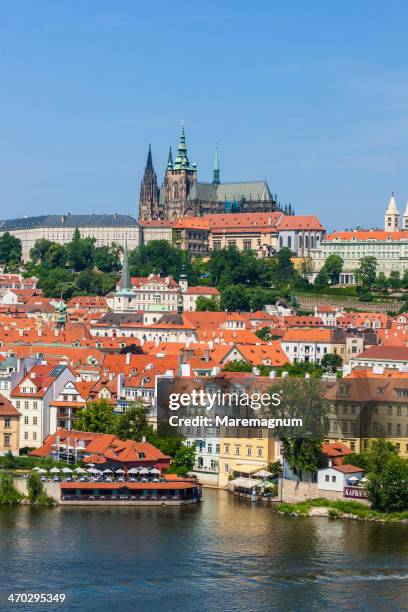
405	218
149	192
179	178
392	216
216	169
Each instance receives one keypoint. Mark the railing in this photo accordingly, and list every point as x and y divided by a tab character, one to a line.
206	468
119	498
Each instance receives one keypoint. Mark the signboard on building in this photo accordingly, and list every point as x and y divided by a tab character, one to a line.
354	493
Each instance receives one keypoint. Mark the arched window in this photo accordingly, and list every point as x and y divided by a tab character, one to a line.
300	241
176	191
306	242
280	242
311	242
289	242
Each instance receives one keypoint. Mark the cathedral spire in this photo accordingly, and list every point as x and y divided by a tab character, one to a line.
182	159
216	169
170	160
125	282
149	163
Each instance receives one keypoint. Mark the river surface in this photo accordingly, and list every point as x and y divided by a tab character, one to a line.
223	554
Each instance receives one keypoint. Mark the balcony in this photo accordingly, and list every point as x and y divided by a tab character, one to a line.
206	468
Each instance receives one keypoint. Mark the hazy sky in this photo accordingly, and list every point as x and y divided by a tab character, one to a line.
311	95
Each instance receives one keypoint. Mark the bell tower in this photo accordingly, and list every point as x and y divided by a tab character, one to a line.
392	216
179	178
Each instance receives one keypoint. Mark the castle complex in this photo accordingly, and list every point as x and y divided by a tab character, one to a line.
181	195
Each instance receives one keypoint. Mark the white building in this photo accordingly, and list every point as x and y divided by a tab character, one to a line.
336	477
106	229
306	344
388	246
32	397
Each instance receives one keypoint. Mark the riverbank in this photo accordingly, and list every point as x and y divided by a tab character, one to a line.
340	509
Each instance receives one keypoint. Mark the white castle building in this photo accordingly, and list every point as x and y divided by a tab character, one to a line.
388	246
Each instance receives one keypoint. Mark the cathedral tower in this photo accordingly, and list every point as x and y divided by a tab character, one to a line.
180	177
149	192
392	216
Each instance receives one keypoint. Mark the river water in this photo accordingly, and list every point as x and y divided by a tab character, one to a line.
224	554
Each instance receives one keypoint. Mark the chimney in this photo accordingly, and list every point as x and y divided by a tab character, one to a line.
330	463
185	369
128	358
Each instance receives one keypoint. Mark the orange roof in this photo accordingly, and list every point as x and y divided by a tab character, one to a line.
7	409
299	222
304	334
368	235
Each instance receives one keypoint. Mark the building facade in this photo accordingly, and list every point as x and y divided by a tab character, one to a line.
106	229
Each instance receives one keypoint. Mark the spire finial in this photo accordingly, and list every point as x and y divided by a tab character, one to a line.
216	167
149	163
182	159
170	160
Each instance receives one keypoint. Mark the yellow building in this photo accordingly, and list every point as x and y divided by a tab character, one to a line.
9	427
249	451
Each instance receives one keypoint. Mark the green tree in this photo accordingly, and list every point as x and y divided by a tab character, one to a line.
56	282
394	280
234	298
8	492
97	417
159	257
333	267
56	256
34	486
322	280
264	333
284	266
237	366
133	423
404	280
301	399
80	252
207	304
387	489
381	282
366	272
10	249
331	362
107	258
40	249
183	461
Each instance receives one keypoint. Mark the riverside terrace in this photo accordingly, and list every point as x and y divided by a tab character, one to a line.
170	490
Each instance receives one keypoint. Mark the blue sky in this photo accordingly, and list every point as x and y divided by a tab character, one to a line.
311	95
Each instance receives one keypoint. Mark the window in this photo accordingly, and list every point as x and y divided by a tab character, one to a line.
217	449
34	420
260	434
226	467
334	478
35	435
35	405
327	478
26	435
352	446
249	451
260	451
18	404
247	245
398	446
6	439
26	420
25	405
226	449
209	448
237	450
7	422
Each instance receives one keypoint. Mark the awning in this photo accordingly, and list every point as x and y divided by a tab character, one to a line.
247	468
246	483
